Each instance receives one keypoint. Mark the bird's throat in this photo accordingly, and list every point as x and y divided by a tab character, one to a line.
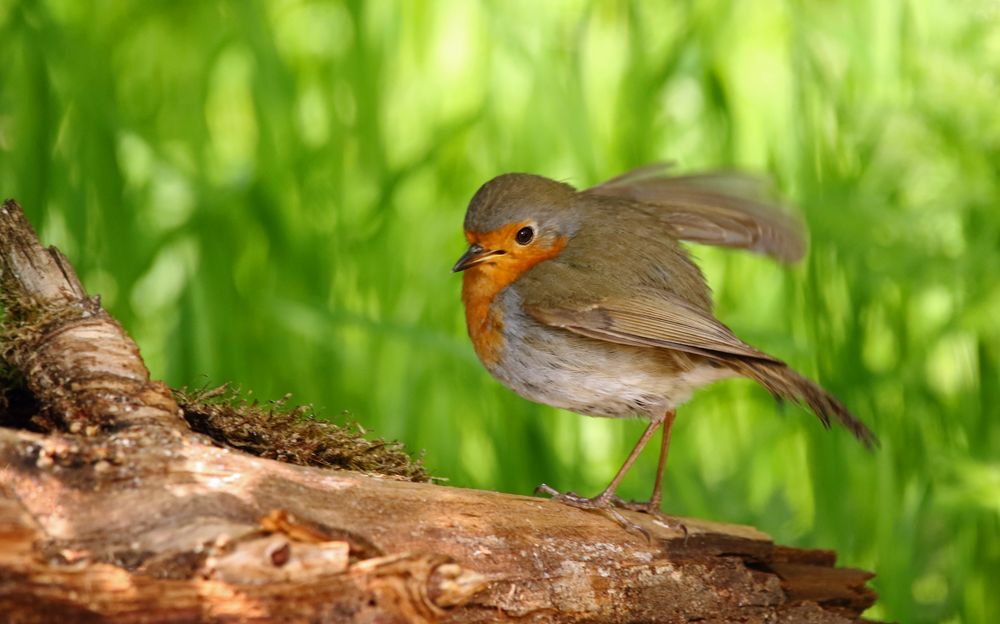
483	320
480	287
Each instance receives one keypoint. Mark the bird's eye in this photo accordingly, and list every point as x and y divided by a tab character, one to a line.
524	235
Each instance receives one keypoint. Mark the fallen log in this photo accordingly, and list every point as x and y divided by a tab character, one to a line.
113	509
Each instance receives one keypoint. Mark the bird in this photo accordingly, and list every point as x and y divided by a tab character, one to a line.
586	300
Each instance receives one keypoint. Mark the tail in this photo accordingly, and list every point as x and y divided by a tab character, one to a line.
784	383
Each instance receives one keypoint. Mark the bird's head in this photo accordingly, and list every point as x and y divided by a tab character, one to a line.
515	221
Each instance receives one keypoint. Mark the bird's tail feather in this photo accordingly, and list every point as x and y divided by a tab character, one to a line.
784	383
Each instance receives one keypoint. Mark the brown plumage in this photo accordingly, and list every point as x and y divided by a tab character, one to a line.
586	300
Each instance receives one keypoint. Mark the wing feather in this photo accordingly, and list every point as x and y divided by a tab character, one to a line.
727	209
654	320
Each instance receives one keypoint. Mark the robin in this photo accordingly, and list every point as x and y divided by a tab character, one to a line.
586	301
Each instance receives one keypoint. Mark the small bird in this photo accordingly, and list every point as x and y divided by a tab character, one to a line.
586	301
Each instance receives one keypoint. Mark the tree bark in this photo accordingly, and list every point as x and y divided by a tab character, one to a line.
113	510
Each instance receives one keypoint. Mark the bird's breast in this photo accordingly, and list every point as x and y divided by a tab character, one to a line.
483	319
557	367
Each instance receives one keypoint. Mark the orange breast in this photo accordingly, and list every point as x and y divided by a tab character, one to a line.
482	283
483	320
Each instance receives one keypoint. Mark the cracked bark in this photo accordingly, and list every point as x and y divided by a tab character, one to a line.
111	509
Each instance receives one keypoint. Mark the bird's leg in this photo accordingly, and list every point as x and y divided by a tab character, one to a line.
607	497
653	504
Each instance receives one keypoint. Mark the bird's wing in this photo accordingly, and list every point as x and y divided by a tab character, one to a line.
728	209
647	319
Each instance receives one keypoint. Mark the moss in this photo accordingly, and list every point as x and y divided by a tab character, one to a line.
272	430
292	434
23	321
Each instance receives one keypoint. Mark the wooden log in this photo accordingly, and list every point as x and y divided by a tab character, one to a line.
112	510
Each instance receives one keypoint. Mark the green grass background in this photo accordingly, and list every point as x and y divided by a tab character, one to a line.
271	193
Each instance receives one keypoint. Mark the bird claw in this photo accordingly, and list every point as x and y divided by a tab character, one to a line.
628	525
652	508
603	502
544	488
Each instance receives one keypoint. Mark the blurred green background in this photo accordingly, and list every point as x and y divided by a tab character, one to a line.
272	194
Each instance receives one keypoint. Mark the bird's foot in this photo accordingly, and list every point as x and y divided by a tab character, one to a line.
602	502
651	507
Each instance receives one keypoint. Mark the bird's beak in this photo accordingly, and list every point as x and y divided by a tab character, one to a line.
474	255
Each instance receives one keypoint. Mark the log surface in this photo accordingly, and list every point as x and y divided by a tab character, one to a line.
111	510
